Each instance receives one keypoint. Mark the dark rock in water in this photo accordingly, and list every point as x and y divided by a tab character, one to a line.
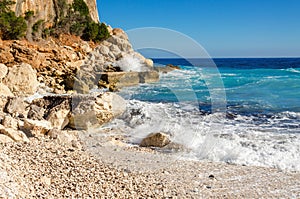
173	67
155	140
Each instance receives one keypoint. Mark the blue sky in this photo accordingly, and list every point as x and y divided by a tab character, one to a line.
228	28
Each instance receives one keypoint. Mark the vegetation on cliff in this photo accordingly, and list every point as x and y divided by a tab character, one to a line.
71	19
11	26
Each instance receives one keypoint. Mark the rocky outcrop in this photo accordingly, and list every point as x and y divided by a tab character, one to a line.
53	113
48	10
155	140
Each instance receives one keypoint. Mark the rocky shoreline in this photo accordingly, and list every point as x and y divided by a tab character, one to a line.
54	97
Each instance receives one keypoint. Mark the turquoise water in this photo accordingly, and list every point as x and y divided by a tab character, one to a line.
267	88
243	111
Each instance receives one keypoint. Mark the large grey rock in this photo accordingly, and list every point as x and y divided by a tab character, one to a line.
21	80
95	111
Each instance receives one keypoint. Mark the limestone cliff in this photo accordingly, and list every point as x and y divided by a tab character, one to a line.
47	10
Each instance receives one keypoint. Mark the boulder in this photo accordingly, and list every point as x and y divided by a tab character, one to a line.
21	80
3	71
155	140
36	127
5	139
4	91
123	44
58	116
16	106
16	135
95	111
149	62
10	122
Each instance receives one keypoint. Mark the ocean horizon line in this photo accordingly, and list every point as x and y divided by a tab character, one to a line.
227	58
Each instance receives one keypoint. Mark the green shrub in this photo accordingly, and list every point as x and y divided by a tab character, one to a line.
77	28
103	33
81	7
11	26
95	32
29	14
4	5
37	25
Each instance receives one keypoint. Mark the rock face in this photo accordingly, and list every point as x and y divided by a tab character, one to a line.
155	140
47	10
22	79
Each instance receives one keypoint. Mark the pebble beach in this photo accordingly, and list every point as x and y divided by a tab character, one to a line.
43	168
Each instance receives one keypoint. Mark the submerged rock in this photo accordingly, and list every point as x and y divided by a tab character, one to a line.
155	140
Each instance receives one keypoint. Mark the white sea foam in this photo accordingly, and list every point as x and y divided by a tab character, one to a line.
293	70
131	63
214	137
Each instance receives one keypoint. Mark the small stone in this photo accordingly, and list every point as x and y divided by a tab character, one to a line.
155	140
46	181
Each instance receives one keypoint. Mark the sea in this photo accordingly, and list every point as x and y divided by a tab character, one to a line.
243	111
